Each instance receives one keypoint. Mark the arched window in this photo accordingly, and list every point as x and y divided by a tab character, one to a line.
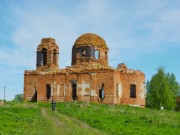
54	57
44	57
83	53
96	54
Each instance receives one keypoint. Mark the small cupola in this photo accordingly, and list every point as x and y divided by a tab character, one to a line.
47	54
90	47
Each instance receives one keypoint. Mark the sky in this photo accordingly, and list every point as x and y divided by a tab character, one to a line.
144	34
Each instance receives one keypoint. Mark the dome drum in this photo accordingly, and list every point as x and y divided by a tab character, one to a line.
90	47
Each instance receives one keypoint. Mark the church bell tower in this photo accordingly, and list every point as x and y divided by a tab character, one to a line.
47	55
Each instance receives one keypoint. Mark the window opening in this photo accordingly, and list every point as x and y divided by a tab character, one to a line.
44	57
83	53
54	57
96	54
74	93
48	91
132	91
39	61
117	90
101	92
106	55
34	98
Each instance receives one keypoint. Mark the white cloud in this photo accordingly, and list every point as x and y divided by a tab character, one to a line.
34	26
95	9
131	29
167	27
137	27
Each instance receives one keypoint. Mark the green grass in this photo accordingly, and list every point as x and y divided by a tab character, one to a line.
22	119
123	120
37	118
65	125
32	119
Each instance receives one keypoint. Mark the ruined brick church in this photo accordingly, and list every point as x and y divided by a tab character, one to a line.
89	78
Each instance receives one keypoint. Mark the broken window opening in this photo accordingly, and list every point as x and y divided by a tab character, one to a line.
34	98
83	53
48	91
117	90
106	55
54	57
74	92
132	91
44	57
39	61
96	54
101	92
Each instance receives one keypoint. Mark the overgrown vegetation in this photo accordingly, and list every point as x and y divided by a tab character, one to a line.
122	120
18	97
162	90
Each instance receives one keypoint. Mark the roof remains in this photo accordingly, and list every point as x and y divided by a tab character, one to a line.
90	39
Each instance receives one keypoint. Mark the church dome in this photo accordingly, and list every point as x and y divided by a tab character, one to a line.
90	39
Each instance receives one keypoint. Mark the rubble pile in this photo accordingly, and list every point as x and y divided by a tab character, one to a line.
86	67
47	42
131	71
122	67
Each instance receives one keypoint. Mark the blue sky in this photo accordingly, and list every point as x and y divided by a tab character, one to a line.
144	34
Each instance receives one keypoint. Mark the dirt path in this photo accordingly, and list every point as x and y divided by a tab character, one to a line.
64	125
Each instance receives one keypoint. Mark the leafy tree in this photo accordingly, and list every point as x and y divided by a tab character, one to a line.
178	104
162	90
18	97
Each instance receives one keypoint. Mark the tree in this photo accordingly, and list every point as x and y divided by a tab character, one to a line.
18	97
162	90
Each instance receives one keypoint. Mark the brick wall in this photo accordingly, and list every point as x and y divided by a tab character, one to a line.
138	80
116	86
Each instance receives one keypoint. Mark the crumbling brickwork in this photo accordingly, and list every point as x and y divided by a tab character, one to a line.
89	78
47	54
90	48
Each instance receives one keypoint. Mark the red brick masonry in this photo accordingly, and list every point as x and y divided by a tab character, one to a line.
86	78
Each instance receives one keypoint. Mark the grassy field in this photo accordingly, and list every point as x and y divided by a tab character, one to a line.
33	119
70	118
123	120
22	119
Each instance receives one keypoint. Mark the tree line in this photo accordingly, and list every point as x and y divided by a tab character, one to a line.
162	91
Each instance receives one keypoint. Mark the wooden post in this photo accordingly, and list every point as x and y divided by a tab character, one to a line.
4	93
